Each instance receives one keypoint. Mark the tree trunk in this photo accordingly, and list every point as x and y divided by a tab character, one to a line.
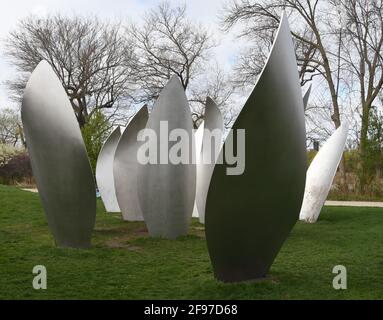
342	173
21	134
363	148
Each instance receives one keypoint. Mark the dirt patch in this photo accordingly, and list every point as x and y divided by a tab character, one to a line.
141	232
121	244
126	236
123	231
34	190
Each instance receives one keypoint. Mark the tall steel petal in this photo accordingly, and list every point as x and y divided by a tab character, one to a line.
125	168
59	159
104	172
321	173
167	191
306	97
209	154
198	143
248	217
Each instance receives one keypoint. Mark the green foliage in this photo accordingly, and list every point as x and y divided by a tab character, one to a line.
11	131
7	152
351	160
18	171
371	160
15	166
94	133
124	263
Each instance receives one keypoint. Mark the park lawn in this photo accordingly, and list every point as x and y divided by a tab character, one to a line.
124	263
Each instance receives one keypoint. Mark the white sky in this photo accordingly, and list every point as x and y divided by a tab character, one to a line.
204	11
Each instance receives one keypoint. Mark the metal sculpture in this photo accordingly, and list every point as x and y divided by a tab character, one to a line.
125	168
166	190
59	159
209	154
248	217
198	143
321	173
306	97
104	172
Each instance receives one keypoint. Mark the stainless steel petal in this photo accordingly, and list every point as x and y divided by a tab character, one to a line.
198	135
306	97
248	217
209	154
167	191
104	172
321	173
125	168
59	159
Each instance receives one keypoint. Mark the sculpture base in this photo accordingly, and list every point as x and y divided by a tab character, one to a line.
76	245
249	281
236	275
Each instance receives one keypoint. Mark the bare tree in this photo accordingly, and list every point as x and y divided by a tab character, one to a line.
362	52
167	44
250	63
218	86
317	36
314	54
86	54
11	131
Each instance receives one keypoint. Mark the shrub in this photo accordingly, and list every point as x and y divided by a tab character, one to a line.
7	152
15	166
94	133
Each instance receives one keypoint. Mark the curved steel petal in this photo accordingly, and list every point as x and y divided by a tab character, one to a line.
125	168
209	154
198	142
248	217
59	159
167	191
306	97
104	172
321	173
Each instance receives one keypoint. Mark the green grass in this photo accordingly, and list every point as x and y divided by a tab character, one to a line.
125	263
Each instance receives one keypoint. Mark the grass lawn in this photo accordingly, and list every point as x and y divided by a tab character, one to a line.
125	263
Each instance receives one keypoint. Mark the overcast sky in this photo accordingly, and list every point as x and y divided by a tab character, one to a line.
204	11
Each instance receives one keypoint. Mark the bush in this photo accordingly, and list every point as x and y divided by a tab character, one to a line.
7	152
15	168
94	133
